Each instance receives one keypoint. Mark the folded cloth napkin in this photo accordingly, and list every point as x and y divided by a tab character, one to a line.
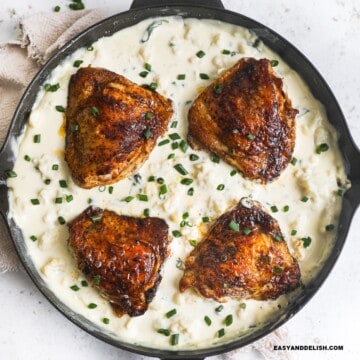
41	35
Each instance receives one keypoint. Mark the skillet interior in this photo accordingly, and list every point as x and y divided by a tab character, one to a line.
294	58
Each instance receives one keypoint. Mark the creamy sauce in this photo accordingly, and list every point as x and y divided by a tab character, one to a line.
171	50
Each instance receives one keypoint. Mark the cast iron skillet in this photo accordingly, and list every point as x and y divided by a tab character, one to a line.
212	9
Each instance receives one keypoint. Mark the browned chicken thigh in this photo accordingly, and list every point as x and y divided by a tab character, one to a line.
112	126
121	256
245	118
243	256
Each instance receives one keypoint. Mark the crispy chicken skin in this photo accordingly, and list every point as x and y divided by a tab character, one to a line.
245	118
112	126
251	262
121	256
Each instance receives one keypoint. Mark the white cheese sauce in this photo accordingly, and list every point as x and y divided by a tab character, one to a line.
305	195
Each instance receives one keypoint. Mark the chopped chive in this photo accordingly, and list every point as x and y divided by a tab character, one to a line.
163	142
52	88
69	198
220	187
228	320
95	218
143	74
84	283
243	306
171	313
219	308
58	200
174	339
183	146
207	320
293	161
226	52
180	169
340	192
179	264
174	136
217	89
37	138
173	124
160	180
33	238
92	306
128	199
146	212
250	137
233	172
95	111
74	288
142	197
77	5
163	189
190	192
151	178
246	231
89	201
111	189
221	332
277	237
153	86
204	76
330	227
147	66
293	232
200	54
89	48
205	219
286	208
55	167
35	201
75	127
27	158
171	156
63	183
77	63
186	181
234	226
181	77
322	148
304	199
106	321
192	243
148	115
57	8
174	145
214	158
194	157
274	63
185	215
306	241
274	209
102	188
176	233
11	174
147	134
277	270
165	332
61	220
96	279
59	108
47	181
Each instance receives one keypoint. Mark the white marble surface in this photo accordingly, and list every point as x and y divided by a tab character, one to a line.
328	33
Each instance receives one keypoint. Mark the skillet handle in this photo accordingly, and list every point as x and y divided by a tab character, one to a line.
148	3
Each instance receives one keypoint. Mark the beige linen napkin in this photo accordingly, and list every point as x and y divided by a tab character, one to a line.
41	35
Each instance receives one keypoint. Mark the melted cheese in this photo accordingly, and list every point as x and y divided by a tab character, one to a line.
171	49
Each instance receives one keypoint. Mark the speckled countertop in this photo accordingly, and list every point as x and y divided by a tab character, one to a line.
328	33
